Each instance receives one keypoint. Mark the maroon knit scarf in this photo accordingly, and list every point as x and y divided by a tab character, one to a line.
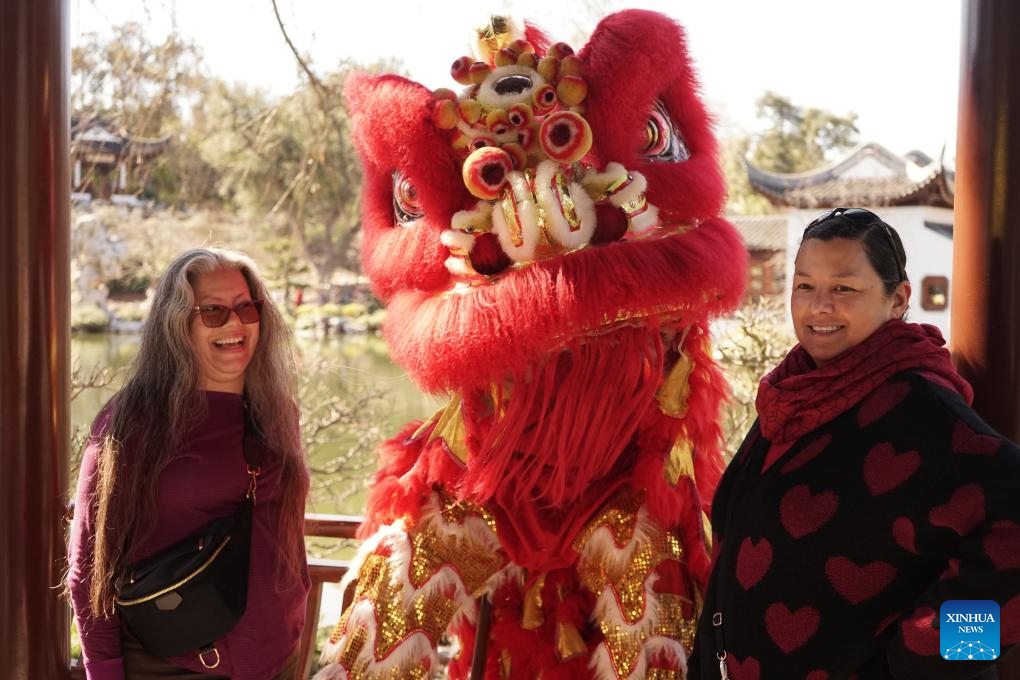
798	397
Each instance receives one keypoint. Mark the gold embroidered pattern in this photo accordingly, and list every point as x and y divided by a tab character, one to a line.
456	512
663	674
428	614
672	622
619	516
628	586
353	647
473	561
623	646
630	589
414	673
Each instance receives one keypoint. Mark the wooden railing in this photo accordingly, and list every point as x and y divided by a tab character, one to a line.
321	572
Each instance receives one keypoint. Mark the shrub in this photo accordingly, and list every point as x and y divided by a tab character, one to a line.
89	319
330	309
748	345
353	310
130	312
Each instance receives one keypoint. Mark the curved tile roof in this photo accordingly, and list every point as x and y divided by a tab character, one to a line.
870	175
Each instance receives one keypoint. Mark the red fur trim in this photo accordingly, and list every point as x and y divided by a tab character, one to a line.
566	422
394	492
537	37
633	58
391	119
463	341
680	506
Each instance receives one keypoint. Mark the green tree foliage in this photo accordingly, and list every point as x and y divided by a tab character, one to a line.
290	161
799	138
793	139
139	85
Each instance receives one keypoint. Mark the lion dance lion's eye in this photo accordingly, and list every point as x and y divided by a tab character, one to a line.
406	204
662	141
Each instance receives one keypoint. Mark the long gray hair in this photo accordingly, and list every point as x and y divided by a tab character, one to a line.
159	402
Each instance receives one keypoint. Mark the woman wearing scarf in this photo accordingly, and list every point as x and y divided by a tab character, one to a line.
867	493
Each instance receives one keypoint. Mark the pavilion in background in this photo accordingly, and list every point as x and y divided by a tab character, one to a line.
108	163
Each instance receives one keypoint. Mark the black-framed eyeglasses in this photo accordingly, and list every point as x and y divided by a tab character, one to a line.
214	316
860	217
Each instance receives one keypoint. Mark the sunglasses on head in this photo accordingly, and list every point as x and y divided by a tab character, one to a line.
214	316
862	218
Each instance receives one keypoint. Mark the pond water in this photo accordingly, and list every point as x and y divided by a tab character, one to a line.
346	364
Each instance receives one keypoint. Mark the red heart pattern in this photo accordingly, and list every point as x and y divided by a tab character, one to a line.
791	630
748	669
918	634
1010	618
967	441
753	562
903	533
807	454
803	513
1002	543
858	583
881	401
884	469
964	511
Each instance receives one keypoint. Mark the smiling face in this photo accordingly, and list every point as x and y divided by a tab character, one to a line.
838	298
223	353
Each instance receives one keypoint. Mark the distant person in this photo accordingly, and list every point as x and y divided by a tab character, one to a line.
866	494
212	386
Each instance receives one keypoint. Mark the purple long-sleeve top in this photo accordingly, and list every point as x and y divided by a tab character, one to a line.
206	479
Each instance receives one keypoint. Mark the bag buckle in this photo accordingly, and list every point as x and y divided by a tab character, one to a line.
254	471
206	650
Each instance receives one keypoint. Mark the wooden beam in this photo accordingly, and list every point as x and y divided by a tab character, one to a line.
985	324
35	336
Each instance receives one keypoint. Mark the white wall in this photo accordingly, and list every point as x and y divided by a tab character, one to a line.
928	253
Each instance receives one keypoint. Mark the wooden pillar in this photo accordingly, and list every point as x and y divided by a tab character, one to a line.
986	235
34	335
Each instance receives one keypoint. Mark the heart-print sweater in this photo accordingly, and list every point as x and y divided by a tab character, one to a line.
835	554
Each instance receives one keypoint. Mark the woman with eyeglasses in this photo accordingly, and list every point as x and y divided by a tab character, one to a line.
171	453
867	493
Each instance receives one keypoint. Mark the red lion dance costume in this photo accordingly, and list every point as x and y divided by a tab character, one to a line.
549	250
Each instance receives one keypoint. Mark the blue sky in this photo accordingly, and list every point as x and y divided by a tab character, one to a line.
894	63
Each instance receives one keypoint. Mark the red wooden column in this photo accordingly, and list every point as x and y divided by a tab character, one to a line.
34	336
986	236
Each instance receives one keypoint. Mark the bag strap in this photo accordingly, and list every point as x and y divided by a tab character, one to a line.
254	452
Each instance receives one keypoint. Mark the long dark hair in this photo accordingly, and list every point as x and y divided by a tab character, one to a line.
160	401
